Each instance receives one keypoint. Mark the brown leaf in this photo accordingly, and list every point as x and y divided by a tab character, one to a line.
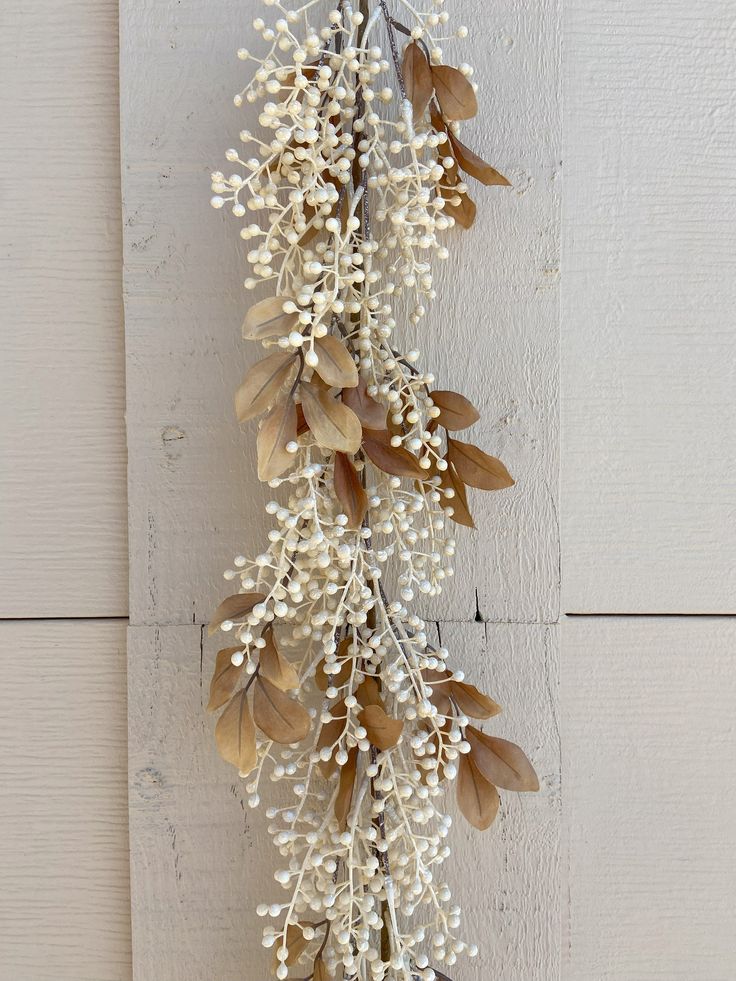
474	165
267	319
277	430
320	971
476	797
235	734
417	78
368	693
224	678
324	681
276	668
383	731
459	503
472	702
261	385
395	460
454	93
440	696
282	718
501	762
235	607
456	412
334	425
349	490
372	414
345	789
476	468
295	944
329	735
464	211
335	365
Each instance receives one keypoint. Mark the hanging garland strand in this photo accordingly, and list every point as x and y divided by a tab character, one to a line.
332	687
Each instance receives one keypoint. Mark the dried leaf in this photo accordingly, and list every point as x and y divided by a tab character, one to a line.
395	460
276	668
440	695
334	425
267	319
324	681
383	731
372	414
320	971
501	762
454	93
277	430
456	412
335	365
476	797
282	718
368	693
349	490
262	384
464	211
295	944
417	78
474	165
235	607
459	502
235	734
476	468
472	702
329	734
345	787
224	678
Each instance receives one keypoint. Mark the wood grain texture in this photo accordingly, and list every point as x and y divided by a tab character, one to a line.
63	542
649	329
195	497
649	753
65	902
201	860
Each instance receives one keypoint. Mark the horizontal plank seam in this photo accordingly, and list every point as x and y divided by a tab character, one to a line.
204	623
702	616
98	619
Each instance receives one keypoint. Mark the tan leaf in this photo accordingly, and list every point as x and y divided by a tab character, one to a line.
235	734
295	944
267	319
329	734
235	607
224	678
274	667
476	468
459	502
277	430
395	460
476	797
440	696
417	78
454	93
282	718
472	702
334	425
372	414
368	693
383	731
345	787
501	762
324	681
456	412
320	971
349	490
464	211
335	365
261	385
474	165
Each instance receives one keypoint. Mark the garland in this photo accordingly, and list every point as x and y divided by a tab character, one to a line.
332	688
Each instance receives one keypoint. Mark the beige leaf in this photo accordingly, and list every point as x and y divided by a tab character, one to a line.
349	490
277	430
267	319
472	702
261	385
282	718
459	502
464	211
456	412
454	93
320	971
224	678
235	734
501	762
335	365
383	731
334	425
476	797
417	78
235	607
345	787
329	735
368	693
395	460
474	165
276	668
324	681
372	414
476	468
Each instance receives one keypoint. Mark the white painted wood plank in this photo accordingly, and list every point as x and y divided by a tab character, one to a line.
649	328
64	902
649	753
63	541
195	499
201	861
